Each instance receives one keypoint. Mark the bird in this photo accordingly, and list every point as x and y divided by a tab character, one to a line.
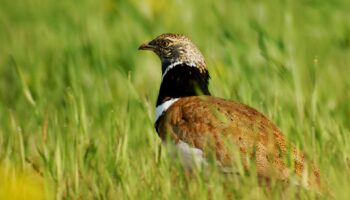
203	127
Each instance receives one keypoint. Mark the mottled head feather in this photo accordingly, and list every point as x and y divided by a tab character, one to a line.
176	48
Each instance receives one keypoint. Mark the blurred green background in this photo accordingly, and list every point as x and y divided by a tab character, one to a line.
77	98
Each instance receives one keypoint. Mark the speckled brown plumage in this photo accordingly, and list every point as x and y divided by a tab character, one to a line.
187	114
214	125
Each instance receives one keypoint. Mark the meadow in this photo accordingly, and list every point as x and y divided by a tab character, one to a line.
77	98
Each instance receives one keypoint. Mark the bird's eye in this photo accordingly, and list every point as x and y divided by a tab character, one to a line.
164	43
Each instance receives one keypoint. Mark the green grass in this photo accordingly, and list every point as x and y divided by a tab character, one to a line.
77	98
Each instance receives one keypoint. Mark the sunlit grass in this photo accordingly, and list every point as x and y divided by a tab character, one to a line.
77	98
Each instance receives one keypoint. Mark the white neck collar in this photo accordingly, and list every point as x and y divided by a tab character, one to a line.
171	66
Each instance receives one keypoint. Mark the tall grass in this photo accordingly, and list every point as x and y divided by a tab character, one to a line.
77	98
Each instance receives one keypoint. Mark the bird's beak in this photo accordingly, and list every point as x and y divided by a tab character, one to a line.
146	47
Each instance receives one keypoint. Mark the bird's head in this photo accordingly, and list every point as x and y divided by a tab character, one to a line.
175	48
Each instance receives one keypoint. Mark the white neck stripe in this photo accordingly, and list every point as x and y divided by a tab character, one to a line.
162	108
191	64
170	67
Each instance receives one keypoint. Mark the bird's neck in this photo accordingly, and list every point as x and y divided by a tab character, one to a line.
182	80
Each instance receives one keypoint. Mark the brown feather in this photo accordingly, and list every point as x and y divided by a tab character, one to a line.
216	125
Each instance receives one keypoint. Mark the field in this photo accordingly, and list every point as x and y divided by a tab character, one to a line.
77	98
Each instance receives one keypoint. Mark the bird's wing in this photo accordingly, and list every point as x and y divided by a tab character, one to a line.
218	126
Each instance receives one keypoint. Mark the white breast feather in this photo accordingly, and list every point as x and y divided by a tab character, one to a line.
190	156
162	108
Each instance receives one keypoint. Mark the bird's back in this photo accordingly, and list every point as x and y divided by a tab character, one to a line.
222	128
